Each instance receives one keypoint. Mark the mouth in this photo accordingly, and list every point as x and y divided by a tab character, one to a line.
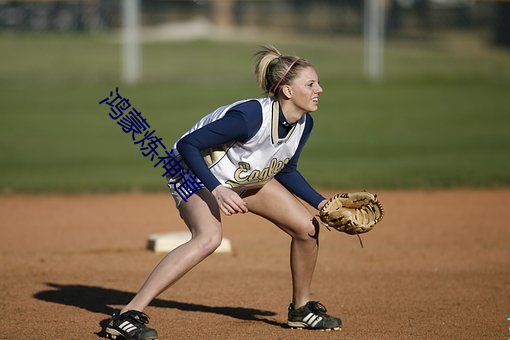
315	100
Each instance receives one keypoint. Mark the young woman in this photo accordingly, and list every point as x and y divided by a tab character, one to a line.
246	155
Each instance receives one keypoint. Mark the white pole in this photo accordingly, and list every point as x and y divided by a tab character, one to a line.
374	38
131	69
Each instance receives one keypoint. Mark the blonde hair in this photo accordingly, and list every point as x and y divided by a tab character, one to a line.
273	69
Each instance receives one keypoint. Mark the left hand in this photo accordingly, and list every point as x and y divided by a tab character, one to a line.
229	201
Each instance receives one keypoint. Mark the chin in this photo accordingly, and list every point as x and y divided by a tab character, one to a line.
313	108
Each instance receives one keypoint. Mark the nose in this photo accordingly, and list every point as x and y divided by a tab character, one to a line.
318	89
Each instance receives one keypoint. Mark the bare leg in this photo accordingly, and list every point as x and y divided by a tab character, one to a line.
278	205
201	215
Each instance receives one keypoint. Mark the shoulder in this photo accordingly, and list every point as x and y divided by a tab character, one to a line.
248	115
250	111
248	107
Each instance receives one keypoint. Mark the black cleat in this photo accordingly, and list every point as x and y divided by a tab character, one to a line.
313	316
130	326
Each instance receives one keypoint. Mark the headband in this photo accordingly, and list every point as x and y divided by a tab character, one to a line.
283	77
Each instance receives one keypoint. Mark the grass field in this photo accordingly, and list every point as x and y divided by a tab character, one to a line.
440	117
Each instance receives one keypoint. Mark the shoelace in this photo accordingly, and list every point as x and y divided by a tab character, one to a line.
318	307
139	316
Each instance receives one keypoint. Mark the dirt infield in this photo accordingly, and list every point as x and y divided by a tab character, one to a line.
437	267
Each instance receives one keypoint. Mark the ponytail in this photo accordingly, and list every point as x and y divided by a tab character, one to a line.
272	69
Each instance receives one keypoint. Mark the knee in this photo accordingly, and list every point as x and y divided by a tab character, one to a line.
208	243
309	231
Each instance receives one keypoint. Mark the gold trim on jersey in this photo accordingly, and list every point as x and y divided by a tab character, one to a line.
245	179
275	115
213	155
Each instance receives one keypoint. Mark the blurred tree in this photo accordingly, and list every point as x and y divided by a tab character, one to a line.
502	24
223	13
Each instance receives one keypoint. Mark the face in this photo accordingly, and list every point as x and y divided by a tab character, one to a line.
305	90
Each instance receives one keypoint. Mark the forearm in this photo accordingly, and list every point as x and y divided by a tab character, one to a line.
193	159
298	185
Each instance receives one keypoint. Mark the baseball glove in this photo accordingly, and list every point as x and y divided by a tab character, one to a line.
352	213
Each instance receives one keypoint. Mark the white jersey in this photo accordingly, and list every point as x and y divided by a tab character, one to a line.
253	163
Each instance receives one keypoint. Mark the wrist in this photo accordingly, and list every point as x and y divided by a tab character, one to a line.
321	204
217	188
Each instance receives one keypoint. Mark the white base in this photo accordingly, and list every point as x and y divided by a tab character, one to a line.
166	242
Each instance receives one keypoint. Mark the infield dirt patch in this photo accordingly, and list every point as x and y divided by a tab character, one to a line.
436	267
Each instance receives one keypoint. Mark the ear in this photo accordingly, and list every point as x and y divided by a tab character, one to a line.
287	91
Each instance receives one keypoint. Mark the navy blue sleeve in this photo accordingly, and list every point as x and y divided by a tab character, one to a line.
290	177
240	123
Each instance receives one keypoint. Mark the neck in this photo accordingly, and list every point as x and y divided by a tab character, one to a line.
292	114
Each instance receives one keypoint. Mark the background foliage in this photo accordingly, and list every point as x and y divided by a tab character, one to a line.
439	118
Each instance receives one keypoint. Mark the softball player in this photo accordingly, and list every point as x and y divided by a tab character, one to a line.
245	154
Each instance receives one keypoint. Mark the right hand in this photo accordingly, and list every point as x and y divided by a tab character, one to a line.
229	201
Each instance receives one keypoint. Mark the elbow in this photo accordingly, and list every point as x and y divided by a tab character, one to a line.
181	145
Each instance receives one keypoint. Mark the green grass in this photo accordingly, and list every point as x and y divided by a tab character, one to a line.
440	118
